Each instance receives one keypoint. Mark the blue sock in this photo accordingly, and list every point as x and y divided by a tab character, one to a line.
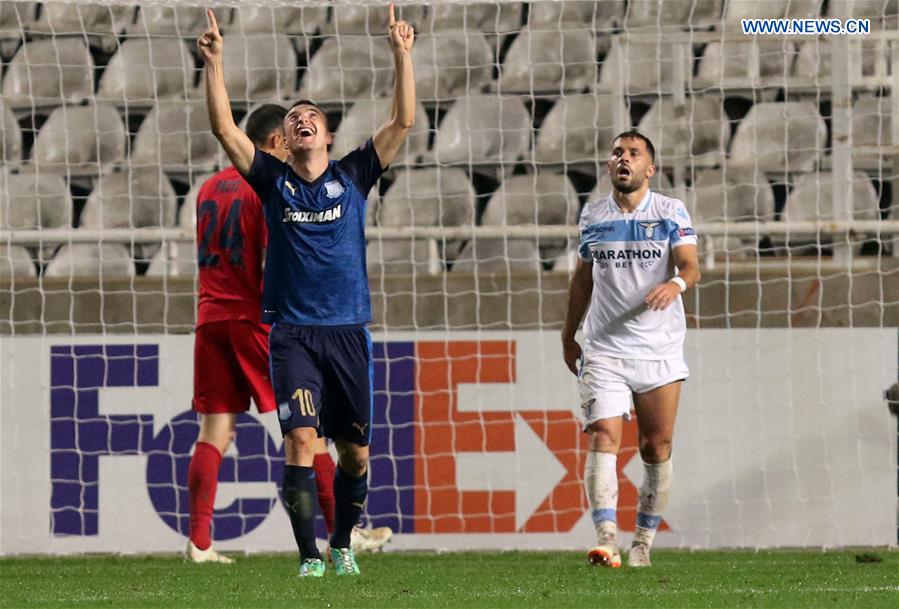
300	498
349	498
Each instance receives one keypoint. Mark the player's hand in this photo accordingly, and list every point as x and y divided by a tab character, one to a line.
571	351
210	43
402	35
662	295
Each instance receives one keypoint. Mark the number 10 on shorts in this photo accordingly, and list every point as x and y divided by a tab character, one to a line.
304	399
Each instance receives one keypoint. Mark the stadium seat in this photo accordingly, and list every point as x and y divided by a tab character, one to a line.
871	132
646	67
49	72
400	256
553	61
291	20
349	68
366	116
145	70
433	196
481	17
812	198
451	63
176	135
10	137
731	195
761	135
79	140
173	21
421	197
174	260
31	200
578	127
735	10
369	19
814	61
884	14
15	261
597	15
101	23
731	64
483	129
258	67
704	131
543	199
91	260
652	14
35	200
134	198
485	255
535	199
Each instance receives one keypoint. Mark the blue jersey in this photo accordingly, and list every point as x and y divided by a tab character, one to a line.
315	273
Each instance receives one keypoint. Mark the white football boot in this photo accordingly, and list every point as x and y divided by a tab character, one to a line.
369	540
639	556
194	554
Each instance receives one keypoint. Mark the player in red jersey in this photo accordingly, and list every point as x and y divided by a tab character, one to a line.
231	345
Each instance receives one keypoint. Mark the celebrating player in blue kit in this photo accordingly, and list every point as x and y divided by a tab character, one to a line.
316	291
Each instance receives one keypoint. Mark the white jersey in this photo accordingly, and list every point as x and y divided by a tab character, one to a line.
631	255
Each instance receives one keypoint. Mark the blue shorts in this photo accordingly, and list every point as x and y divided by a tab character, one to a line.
322	377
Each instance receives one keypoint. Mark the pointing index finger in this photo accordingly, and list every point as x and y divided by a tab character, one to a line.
392	19
210	16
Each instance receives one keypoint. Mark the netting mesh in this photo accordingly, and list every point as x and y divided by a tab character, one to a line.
783	149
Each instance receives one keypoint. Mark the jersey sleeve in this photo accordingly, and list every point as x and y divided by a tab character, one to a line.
264	173
683	232
584	247
363	166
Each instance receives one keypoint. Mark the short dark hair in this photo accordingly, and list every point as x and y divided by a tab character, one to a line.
634	134
309	102
263	121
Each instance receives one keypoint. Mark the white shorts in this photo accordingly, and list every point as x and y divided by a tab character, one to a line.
606	384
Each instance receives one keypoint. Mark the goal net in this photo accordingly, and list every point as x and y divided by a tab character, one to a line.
783	147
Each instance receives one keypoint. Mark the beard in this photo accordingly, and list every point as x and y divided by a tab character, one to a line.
627	187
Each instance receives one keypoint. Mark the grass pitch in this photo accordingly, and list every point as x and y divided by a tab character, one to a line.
472	580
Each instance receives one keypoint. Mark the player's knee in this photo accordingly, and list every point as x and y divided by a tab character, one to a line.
655	448
302	440
353	459
602	439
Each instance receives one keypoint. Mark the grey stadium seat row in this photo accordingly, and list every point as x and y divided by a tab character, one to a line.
486	129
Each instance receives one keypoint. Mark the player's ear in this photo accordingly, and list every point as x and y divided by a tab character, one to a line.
651	170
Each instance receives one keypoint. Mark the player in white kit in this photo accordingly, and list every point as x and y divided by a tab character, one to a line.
637	255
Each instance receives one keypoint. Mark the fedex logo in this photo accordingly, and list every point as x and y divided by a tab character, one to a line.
460	444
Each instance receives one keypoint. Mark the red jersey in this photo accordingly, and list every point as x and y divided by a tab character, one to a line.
231	238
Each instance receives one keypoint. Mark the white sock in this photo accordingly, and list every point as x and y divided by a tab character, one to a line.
653	500
601	482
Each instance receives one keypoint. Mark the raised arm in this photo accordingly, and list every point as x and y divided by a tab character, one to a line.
237	145
579	293
391	135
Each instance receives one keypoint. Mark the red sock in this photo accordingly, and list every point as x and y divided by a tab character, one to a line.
202	480
324	480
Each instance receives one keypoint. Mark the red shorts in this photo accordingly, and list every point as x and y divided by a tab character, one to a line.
230	367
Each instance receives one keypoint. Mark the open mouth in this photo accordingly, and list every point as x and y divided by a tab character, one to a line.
624	172
305	132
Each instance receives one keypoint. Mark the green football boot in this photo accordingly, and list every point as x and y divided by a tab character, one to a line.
344	561
312	567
